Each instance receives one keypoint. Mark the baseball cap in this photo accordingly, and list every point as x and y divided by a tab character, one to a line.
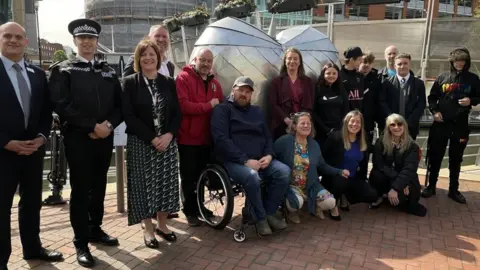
243	81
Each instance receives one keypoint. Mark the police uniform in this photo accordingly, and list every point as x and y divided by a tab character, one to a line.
86	93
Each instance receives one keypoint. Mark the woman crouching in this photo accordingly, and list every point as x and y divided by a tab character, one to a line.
395	164
302	154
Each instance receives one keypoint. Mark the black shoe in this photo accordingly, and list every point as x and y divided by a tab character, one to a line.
170	237
345	208
45	255
172	215
152	243
3	267
336	218
103	238
429	192
193	221
457	196
84	257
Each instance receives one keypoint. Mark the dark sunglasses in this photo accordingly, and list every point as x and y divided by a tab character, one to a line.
396	124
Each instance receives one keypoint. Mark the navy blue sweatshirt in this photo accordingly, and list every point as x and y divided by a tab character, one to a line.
240	133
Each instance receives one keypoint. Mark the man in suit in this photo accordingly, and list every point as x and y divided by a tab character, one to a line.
159	35
87	97
404	94
26	118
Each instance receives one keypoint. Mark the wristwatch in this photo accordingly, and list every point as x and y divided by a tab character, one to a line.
109	125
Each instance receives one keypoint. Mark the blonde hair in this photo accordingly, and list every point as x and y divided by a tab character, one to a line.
346	133
387	139
295	118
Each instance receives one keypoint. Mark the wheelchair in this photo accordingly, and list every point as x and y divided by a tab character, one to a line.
215	184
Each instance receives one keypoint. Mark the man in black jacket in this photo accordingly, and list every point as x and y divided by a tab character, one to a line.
159	35
451	98
404	94
86	95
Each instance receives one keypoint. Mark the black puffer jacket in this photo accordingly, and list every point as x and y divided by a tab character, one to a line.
85	96
451	86
402	167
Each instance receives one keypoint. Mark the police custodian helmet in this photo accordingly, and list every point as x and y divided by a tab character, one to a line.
84	27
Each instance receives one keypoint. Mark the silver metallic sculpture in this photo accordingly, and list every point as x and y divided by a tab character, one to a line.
241	48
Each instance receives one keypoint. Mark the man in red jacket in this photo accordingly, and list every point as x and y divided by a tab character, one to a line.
198	92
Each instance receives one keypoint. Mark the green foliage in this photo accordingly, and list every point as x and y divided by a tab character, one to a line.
59	55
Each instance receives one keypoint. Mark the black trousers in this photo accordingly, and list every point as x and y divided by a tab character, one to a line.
410	203
193	159
440	135
354	189
89	161
25	172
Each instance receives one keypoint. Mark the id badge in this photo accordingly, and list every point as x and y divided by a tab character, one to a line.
155	122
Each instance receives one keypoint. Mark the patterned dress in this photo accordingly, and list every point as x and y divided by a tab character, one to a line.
152	176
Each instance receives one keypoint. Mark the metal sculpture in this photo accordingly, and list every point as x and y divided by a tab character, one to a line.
240	48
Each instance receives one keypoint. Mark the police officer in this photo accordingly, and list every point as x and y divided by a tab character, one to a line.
86	94
451	99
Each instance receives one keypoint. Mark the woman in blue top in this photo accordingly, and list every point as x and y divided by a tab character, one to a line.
302	154
346	149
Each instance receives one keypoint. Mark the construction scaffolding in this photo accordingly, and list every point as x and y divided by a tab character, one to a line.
125	22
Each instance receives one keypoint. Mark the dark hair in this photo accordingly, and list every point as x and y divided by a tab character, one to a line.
301	69
321	78
141	48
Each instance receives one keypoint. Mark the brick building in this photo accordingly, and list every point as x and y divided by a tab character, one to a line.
48	49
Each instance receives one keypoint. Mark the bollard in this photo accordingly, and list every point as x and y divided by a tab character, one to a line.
120	168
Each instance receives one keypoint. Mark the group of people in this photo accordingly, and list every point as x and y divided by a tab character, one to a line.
312	149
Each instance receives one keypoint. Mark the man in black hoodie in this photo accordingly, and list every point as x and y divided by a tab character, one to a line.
451	98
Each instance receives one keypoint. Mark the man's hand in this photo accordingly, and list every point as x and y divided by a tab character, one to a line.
164	141
214	102
253	164
92	135
393	197
345	173
464	102
406	191
22	147
265	161
438	117
102	130
288	121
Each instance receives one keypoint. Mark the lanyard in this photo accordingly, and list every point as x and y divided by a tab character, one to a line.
154	96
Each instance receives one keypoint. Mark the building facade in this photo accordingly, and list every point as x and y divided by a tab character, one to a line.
49	49
125	22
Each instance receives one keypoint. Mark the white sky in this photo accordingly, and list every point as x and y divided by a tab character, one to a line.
54	17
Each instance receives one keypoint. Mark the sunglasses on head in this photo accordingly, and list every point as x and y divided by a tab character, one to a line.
396	125
298	114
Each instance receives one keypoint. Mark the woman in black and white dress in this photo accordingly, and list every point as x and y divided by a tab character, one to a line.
152	115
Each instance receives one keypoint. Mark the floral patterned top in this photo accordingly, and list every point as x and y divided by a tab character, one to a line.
301	164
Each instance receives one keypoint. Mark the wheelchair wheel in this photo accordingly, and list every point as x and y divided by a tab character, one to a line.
239	236
215	197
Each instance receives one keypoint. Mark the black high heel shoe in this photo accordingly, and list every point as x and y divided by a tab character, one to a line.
152	243
336	218
170	237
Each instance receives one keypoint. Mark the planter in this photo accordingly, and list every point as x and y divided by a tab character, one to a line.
194	20
172	24
241	11
286	6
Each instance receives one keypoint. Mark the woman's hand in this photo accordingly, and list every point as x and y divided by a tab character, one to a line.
164	141
393	197
406	191
288	121
345	173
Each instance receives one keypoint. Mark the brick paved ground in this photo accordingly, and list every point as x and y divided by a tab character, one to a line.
448	238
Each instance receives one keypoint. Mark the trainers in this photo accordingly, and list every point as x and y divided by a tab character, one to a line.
276	224
193	221
263	228
293	217
457	196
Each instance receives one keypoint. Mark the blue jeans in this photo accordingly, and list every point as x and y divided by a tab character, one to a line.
277	178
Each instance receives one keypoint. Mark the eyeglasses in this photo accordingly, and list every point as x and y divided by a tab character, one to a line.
392	125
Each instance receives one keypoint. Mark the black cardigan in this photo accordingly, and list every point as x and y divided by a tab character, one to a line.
401	169
333	151
137	106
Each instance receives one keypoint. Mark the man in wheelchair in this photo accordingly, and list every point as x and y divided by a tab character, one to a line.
243	144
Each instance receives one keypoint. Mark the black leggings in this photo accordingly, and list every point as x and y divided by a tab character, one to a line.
355	190
410	204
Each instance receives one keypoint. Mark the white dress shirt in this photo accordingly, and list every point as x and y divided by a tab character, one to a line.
164	68
85	60
406	77
12	74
